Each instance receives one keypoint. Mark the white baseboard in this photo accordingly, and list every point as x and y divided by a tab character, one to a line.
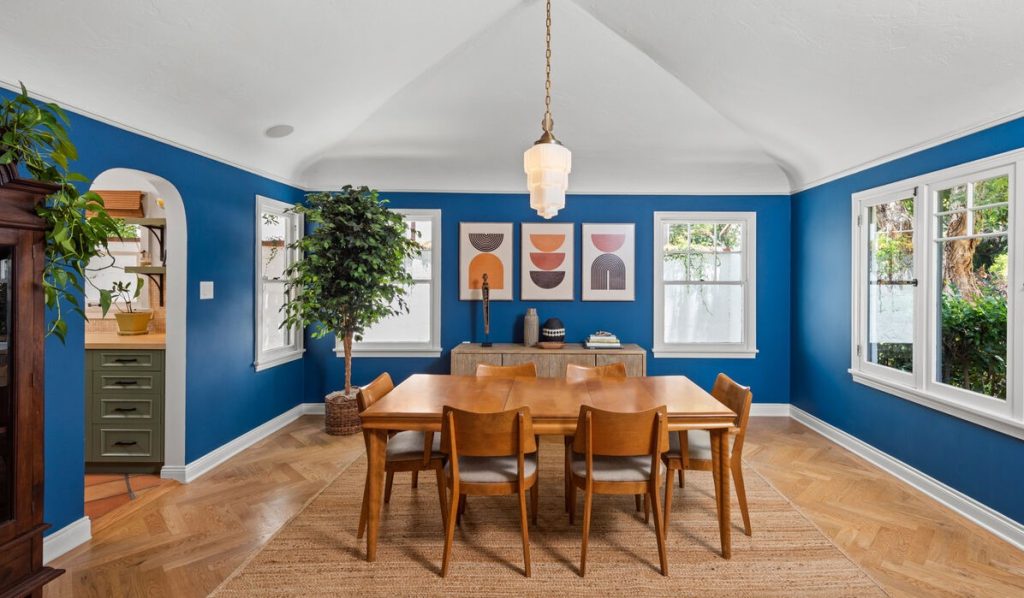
70	536
986	517
192	471
769	409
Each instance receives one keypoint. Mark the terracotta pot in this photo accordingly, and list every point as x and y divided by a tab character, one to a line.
134	322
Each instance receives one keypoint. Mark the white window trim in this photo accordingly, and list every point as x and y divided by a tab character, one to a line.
747	349
267	359
431	348
920	387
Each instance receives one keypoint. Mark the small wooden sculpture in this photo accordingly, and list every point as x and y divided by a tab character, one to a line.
486	290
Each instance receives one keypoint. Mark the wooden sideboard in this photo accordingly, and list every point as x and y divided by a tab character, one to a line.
550	362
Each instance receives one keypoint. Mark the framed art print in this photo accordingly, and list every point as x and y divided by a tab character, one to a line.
485	248
547	262
609	256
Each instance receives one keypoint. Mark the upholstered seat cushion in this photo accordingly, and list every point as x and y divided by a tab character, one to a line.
699	441
494	470
408	445
615	469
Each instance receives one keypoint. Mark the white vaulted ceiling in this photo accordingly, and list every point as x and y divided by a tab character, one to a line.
652	96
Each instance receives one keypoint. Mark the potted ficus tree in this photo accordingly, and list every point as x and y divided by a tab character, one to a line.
350	275
33	137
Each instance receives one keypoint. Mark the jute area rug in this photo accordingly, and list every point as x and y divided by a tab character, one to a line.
317	553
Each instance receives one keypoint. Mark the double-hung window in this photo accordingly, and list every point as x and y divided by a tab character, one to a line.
937	281
418	332
705	284
277	227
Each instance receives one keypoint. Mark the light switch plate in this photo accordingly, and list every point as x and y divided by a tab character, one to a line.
206	289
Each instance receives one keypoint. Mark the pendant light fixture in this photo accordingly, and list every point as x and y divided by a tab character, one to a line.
548	162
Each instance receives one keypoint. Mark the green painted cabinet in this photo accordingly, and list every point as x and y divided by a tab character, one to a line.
124	409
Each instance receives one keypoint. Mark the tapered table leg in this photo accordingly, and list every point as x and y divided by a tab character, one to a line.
378	441
720	464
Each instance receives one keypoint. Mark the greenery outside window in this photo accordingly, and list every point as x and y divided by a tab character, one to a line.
705	284
418	332
938	294
277	227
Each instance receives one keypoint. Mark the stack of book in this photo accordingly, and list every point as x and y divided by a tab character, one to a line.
603	340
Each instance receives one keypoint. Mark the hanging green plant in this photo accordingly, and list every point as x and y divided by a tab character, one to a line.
33	135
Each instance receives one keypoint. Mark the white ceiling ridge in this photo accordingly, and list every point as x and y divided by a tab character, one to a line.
909	150
431	68
15	87
689	192
782	165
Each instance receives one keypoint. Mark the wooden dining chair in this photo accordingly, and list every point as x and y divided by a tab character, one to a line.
619	453
489	454
576	373
697	455
406	451
525	370
579	373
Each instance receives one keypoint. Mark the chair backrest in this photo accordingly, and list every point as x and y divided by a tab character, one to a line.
526	370
617	434
374	391
501	434
735	397
575	373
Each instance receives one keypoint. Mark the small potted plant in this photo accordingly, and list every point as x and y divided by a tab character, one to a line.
130	319
351	275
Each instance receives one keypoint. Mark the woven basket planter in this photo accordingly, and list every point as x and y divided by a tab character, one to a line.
341	414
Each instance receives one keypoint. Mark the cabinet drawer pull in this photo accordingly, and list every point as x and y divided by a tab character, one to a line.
126	360
126	409
123	443
126	382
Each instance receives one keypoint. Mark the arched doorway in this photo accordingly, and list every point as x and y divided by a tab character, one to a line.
172	208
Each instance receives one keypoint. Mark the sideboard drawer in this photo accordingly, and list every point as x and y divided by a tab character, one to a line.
120	408
122	359
128	382
125	443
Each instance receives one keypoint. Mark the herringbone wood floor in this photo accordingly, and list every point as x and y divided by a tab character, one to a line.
186	541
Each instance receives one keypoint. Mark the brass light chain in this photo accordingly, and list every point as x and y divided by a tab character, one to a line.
548	123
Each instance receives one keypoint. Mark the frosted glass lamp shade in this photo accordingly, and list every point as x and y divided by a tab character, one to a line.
547	168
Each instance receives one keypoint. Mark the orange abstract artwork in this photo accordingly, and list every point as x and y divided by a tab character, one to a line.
486	263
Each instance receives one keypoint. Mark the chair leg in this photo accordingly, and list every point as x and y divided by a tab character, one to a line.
572	502
440	495
362	513
647	508
588	499
534	500
449	533
462	509
658	530
637	500
668	500
415	479
568	476
682	478
523	526
387	487
741	494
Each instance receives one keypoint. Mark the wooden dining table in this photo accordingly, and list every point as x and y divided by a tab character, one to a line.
554	403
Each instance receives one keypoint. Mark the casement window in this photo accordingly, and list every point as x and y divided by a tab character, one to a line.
705	284
418	332
937	283
276	229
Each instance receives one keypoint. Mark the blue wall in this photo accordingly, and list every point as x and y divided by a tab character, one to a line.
225	397
968	457
632	321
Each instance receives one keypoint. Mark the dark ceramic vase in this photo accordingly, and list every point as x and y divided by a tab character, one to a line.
553	331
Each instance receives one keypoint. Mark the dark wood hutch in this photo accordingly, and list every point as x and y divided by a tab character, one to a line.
22	328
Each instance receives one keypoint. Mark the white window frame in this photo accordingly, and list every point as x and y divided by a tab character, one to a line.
747	347
267	359
922	386
432	347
